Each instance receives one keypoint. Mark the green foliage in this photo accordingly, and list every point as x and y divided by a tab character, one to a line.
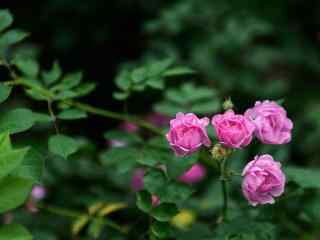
306	178
247	51
19	171
10	159
161	230
124	160
144	201
164	212
169	191
51	76
71	114
152	75
15	191
128	138
16	121
4	92
50	85
189	98
14	232
236	229
6	19
31	167
8	37
63	145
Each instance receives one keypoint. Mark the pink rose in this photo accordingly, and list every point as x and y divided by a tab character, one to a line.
187	133
194	175
271	122
263	180
233	130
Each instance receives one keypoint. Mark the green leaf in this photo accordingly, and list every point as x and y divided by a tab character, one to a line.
42	117
96	227
12	37
5	143
198	232
84	89
157	68
14	192
164	212
128	138
237	230
175	192
4	91
123	80
156	83
27	66
53	75
65	94
17	120
10	160
63	145
178	165
31	167
70	114
139	75
71	80
177	71
305	178
14	231
144	201
36	95
154	181
161	229
120	95
151	156
123	158
6	19
189	98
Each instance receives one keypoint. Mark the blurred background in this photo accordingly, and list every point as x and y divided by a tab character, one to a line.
247	50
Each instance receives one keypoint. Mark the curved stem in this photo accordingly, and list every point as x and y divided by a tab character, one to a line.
88	108
73	214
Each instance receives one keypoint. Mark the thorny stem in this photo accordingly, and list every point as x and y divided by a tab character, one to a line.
82	106
73	214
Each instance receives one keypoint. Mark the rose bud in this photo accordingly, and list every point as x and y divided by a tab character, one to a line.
263	180
38	193
233	130
187	133
194	175
271	122
137	180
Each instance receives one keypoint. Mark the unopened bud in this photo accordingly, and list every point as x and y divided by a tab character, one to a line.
228	104
219	152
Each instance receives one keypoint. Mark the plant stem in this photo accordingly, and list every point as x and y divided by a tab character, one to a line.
53	116
225	198
224	189
86	107
73	214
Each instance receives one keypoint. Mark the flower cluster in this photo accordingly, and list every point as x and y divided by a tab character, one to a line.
267	121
